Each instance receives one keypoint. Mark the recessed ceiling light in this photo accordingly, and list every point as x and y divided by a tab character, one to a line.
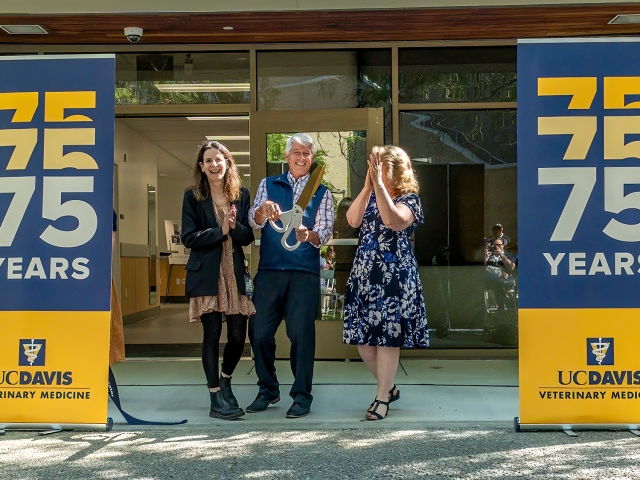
228	137
24	29
227	28
229	117
239	153
162	174
242	165
625	19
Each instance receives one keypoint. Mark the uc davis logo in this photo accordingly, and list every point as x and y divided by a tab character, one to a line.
600	351
32	352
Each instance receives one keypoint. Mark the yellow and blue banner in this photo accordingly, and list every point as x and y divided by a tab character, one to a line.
579	232
56	210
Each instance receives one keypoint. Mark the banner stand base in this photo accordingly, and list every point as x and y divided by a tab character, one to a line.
57	427
520	427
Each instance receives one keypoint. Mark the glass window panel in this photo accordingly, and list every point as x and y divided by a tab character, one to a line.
139	77
446	75
374	85
311	80
460	136
374	78
466	166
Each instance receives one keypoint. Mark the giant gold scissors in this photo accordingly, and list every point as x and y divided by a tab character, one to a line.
292	219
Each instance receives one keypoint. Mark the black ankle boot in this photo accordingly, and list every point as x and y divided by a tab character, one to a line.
225	387
220	408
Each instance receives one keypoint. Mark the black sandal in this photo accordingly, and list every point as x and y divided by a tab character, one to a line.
392	397
374	412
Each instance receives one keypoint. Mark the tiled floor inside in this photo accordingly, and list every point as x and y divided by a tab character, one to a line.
171	326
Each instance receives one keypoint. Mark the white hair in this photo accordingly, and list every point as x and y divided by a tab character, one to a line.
302	139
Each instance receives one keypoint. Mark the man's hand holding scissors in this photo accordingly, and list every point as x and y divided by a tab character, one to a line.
303	234
269	211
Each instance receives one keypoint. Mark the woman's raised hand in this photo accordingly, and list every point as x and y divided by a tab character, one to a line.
368	185
375	170
225	223
232	217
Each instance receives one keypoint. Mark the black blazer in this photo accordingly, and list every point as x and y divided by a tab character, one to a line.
202	234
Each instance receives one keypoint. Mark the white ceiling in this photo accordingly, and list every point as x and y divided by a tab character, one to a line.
39	7
181	137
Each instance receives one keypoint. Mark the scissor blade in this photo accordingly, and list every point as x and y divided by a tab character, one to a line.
312	185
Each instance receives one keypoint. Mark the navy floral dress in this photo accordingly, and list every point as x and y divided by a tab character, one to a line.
384	305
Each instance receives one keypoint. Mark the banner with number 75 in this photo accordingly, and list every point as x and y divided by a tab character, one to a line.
56	182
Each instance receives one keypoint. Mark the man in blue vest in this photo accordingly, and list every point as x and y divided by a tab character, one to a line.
288	282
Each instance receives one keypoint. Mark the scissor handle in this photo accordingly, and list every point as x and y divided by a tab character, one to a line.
286	246
294	219
277	228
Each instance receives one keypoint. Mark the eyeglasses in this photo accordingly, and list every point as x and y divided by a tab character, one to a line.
498	244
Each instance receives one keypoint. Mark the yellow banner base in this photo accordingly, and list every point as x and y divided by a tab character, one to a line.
579	369
634	428
54	368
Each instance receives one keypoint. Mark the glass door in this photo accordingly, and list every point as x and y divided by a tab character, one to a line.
343	141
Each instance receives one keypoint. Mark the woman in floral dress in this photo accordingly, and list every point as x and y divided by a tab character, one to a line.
384	305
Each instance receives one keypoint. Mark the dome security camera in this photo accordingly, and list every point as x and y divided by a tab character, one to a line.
133	34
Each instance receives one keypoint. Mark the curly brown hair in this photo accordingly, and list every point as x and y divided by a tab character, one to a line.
231	181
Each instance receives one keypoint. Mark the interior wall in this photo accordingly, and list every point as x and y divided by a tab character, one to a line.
170	194
139	170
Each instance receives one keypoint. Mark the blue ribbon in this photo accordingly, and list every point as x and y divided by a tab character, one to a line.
115	397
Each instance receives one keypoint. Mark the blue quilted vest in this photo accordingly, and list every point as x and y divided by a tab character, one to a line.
273	256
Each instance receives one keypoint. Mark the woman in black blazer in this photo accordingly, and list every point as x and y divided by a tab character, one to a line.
215	227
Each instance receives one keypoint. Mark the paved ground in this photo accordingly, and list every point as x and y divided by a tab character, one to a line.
454	421
237	450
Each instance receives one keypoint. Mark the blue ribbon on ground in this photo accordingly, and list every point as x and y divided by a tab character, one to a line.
115	397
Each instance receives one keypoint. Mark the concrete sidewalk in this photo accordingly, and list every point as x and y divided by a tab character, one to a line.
431	391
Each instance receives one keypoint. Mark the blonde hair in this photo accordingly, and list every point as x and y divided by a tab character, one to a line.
231	181
401	176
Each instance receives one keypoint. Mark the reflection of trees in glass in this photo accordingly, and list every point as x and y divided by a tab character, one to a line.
374	91
313	83
303	92
354	148
145	93
267	95
457	87
448	136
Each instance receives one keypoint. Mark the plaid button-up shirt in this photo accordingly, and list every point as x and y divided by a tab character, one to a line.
323	224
